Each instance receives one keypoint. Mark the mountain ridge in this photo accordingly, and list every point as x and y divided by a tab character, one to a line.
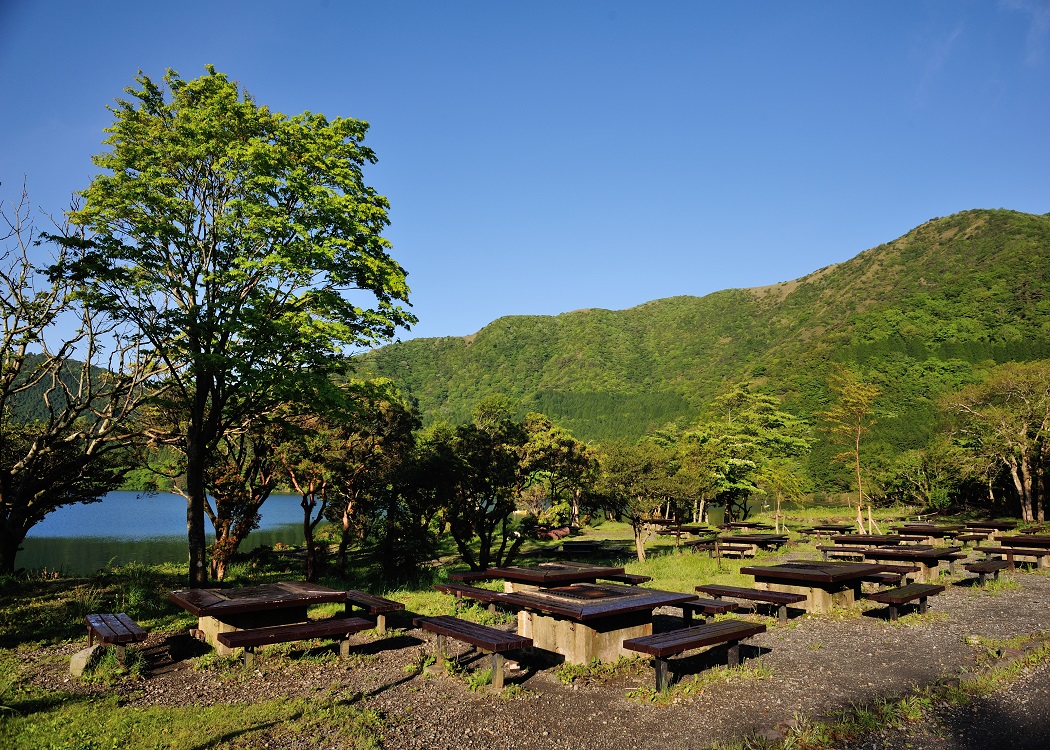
918	314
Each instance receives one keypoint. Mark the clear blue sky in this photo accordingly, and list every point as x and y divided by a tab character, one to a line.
542	157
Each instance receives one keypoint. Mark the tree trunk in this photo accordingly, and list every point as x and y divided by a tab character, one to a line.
195	499
639	540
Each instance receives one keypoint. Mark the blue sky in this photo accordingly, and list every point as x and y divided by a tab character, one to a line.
542	157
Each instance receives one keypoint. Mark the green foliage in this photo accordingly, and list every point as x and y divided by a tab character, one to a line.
917	317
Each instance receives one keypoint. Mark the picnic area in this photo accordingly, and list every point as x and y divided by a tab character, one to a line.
751	673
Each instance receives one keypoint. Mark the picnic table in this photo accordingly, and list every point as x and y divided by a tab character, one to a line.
874	540
756	541
545	575
824	584
927	558
587	621
263	606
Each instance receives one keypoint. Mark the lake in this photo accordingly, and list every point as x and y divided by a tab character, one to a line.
143	527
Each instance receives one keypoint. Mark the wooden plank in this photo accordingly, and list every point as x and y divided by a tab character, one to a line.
774	597
373	604
678	641
297	632
481	636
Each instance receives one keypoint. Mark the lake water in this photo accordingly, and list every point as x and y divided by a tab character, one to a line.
138	527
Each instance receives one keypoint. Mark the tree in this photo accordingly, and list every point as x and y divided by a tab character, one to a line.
635	481
485	475
240	476
377	446
66	424
246	248
565	465
849	418
1007	418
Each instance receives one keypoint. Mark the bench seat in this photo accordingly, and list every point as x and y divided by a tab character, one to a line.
662	645
706	607
780	599
984	568
898	597
374	606
892	575
631	579
114	630
490	640
464	591
735	550
841	550
1010	554
252	638
469	576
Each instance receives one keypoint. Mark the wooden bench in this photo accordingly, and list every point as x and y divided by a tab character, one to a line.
735	550
1010	554
779	599
631	579
892	575
482	637
469	576
708	608
464	591
374	606
252	638
984	568
662	645
842	550
973	536
114	630
896	598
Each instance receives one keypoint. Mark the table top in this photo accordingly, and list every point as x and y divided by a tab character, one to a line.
929	529
554	573
997	525
866	539
911	552
585	602
262	598
813	571
754	538
833	527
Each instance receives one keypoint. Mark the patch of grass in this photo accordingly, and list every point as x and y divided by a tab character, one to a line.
108	670
598	671
479	679
755	670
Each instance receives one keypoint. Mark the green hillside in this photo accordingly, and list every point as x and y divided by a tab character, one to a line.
917	315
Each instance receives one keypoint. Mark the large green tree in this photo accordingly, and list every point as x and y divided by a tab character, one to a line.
245	246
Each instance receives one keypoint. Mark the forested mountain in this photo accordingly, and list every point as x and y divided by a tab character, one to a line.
917	315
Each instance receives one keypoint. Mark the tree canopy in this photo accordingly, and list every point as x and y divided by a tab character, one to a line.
245	247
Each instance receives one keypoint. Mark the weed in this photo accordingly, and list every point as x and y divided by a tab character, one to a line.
598	671
108	670
479	678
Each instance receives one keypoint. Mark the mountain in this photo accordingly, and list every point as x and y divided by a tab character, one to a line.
918	315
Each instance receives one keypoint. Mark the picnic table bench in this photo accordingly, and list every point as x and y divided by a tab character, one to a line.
374	606
1011	553
114	630
891	574
631	579
779	599
842	550
898	597
984	568
490	640
706	607
250	639
662	645
465	591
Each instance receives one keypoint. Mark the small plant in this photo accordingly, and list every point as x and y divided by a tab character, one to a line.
479	678
420	663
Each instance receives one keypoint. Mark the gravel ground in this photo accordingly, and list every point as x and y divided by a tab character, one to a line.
812	667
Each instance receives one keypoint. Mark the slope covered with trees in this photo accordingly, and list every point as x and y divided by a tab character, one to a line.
918	316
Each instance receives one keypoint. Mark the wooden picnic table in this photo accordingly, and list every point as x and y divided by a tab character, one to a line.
265	605
587	621
1032	541
926	558
756	541
993	525
824	584
549	574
